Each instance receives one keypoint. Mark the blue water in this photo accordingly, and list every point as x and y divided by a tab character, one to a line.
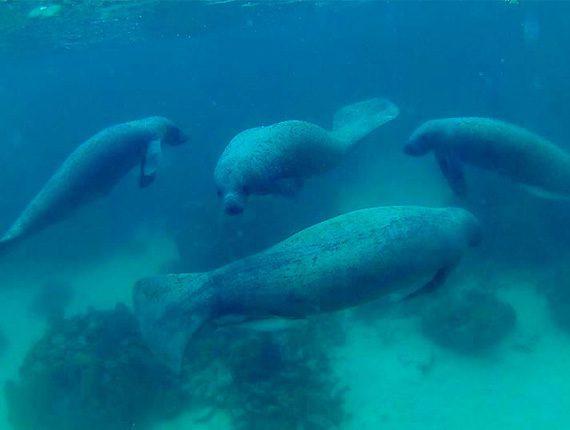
215	70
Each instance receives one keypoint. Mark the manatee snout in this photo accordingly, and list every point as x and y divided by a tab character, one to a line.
175	136
233	204
230	190
182	137
418	144
424	138
411	148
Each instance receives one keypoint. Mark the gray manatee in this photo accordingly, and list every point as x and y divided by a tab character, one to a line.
342	262
92	170
511	151
276	159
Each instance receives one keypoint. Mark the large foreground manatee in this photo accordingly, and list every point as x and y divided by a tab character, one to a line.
276	159
494	145
339	263
92	170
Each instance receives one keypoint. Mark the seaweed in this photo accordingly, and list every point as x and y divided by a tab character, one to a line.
92	371
270	380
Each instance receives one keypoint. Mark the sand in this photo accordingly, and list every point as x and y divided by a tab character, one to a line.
396	379
400	380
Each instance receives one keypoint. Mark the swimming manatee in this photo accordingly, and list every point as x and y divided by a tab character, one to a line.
276	159
506	149
337	264
92	170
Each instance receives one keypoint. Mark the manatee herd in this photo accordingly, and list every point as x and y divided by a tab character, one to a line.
339	263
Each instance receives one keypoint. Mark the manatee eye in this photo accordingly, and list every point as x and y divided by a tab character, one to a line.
219	192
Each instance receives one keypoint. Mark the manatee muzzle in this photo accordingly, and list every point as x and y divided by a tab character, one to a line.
233	204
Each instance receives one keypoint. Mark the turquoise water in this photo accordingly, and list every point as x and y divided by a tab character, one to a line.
489	349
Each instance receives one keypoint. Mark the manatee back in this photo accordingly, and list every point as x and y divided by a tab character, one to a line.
283	150
88	173
97	165
385	242
348	260
510	150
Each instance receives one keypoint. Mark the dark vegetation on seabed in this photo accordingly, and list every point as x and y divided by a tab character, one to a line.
468	322
93	371
278	380
246	69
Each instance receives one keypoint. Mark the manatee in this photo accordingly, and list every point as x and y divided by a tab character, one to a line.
92	170
340	263
506	149
276	159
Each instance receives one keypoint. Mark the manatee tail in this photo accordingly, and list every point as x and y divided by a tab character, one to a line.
170	309
354	122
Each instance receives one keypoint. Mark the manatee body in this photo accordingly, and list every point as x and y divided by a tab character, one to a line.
92	170
504	148
276	159
339	263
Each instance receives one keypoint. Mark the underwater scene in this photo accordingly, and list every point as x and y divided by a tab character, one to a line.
280	214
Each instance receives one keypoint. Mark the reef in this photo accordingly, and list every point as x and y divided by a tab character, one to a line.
93	371
279	380
90	372
471	322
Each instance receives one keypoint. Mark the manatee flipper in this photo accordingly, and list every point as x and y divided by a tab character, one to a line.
170	310
150	163
452	169
433	284
354	122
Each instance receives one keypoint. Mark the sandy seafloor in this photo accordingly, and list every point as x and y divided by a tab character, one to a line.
396	379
